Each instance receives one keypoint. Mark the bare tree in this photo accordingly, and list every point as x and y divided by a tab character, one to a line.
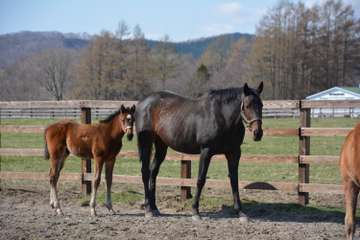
138	65
165	61
54	66
301	50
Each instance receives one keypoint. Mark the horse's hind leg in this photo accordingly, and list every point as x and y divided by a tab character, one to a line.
57	159
351	195
159	156
99	162
145	140
109	166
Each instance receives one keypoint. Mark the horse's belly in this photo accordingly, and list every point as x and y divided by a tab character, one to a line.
187	149
184	147
80	147
81	152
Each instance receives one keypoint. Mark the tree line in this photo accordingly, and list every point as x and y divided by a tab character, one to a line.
298	50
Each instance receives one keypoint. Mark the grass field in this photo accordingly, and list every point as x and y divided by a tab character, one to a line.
218	170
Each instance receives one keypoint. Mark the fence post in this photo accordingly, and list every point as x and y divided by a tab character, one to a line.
85	117
304	149
185	173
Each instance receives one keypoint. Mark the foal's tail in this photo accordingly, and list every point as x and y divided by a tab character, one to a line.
46	150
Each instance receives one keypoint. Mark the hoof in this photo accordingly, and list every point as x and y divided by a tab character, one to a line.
243	218
149	214
110	208
196	217
156	213
52	204
59	212
93	212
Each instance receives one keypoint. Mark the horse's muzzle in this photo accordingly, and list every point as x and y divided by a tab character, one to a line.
257	134
129	133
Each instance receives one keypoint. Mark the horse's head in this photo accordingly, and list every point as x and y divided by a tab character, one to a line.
127	120
251	110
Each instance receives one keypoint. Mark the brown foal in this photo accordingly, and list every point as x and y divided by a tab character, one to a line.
350	171
101	141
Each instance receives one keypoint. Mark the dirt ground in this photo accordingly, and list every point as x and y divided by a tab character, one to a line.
26	214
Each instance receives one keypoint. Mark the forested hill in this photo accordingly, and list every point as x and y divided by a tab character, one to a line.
16	46
197	47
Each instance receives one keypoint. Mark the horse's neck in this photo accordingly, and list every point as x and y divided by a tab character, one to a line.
114	128
235	117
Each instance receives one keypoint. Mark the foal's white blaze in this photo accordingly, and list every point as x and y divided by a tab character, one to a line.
128	117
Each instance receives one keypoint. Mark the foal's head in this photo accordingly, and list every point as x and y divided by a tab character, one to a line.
251	110
127	120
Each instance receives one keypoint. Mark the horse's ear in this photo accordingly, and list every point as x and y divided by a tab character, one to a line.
260	88
247	90
122	108
132	109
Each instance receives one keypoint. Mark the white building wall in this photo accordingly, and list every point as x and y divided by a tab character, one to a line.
335	94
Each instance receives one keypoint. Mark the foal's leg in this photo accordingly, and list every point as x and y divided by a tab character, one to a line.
159	156
57	162
203	168
99	162
233	166
145	141
351	195
109	166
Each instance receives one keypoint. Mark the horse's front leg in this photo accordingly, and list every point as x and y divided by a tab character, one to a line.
109	167
233	159
95	183
205	157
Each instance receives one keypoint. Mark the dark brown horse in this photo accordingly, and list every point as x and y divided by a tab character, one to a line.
212	124
101	142
350	171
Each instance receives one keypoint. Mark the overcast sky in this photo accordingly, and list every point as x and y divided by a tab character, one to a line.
181	20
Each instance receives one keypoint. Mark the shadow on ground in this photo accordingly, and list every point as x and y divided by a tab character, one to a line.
282	212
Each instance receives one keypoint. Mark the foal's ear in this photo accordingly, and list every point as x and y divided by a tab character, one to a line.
260	88
132	109
122	108
247	90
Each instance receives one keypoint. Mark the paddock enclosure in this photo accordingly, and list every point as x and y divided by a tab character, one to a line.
271	184
303	159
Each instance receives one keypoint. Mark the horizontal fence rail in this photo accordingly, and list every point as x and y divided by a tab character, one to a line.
88	109
166	181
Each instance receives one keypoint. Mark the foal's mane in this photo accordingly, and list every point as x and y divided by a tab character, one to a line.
225	95
111	117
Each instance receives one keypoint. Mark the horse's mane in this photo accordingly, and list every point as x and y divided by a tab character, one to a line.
225	95
111	117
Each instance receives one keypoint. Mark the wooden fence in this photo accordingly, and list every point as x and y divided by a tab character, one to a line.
303	159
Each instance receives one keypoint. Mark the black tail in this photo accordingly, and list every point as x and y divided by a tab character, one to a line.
145	142
46	150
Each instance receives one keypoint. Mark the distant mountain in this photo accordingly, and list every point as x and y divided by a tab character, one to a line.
196	47
15	46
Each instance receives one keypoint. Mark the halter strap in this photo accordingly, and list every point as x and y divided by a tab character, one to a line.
247	122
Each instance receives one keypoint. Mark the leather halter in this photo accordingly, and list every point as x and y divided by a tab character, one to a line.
247	122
